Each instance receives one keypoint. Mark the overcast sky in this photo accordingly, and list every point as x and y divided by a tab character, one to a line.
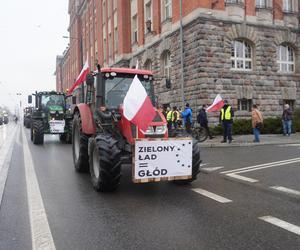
30	38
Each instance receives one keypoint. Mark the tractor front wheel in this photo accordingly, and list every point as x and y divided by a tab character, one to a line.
196	160
63	138
80	146
38	132
105	163
69	124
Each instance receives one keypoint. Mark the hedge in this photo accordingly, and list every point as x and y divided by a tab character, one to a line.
271	125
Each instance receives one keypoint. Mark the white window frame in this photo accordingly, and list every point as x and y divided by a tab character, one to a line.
285	62
134	27
288	6
166	9
242	59
166	58
148	4
244	102
261	3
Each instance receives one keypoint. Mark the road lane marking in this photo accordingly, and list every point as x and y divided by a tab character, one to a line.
286	190
209	170
41	235
211	195
5	159
289	145
281	223
276	163
242	178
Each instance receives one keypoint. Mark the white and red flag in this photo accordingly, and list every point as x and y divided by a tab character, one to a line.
217	104
81	77
138	107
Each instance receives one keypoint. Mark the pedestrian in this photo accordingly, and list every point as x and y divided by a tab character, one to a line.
257	122
187	116
169	118
179	118
287	120
226	119
203	121
175	117
164	111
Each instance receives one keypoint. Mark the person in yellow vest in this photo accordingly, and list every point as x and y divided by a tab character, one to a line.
175	117
169	118
226	119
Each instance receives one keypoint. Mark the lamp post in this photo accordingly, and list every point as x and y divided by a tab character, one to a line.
181	56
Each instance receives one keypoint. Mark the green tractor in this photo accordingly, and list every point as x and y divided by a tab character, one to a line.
27	117
50	117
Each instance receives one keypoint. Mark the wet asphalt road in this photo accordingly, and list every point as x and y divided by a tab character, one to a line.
159	215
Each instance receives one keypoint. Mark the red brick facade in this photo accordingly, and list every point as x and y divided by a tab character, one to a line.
94	34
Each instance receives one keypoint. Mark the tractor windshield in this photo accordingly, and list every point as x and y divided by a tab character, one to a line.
117	87
53	100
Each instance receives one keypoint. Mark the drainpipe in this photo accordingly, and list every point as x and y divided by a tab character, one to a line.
181	56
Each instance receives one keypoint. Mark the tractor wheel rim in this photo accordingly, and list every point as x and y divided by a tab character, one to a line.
96	163
76	143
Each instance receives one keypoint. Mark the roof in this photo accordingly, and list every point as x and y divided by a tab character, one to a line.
127	71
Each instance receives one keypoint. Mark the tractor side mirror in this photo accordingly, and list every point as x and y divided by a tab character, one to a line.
74	100
30	99
89	80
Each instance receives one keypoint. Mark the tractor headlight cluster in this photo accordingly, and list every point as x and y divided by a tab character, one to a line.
52	112
60	112
156	130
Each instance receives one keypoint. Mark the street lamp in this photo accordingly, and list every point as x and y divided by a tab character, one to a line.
80	44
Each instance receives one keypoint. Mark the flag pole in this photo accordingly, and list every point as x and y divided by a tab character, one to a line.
137	132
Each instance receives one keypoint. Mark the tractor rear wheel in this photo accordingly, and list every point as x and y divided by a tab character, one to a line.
38	132
105	163
63	137
27	125
196	160
80	146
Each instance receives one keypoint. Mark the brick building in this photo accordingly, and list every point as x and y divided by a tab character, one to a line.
246	50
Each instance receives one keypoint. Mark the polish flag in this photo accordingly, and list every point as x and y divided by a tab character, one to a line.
81	77
217	104
138	107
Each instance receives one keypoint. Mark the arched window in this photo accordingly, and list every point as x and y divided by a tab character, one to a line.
148	65
166	64
285	58
241	55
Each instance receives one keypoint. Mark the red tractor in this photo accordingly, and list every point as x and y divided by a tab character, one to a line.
102	137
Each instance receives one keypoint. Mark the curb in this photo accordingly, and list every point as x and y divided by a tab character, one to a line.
243	144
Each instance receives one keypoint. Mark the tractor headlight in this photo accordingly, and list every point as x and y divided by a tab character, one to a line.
52	112
60	112
161	129
158	130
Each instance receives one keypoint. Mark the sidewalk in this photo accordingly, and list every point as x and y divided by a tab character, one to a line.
247	140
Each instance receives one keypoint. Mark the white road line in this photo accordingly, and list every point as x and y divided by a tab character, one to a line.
5	159
262	165
242	178
286	190
209	170
281	223
211	195
289	145
40	231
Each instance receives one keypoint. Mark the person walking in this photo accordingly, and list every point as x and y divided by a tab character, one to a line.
187	116
203	121
287	120
257	122
226	119
169	118
175	117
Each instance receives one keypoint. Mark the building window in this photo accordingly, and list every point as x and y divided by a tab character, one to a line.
148	65
289	6
261	4
244	104
134	29
286	58
166	63
241	55
103	12
148	16
234	1
104	50
116	40
166	9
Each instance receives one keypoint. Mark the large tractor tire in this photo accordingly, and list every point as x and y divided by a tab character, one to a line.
28	123
196	161
31	133
105	163
80	146
69	124
38	132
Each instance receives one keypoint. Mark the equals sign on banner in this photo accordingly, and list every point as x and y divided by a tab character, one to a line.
143	165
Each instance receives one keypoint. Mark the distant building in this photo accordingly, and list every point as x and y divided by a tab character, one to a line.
246	50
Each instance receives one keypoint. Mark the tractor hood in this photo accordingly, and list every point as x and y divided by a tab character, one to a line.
56	108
